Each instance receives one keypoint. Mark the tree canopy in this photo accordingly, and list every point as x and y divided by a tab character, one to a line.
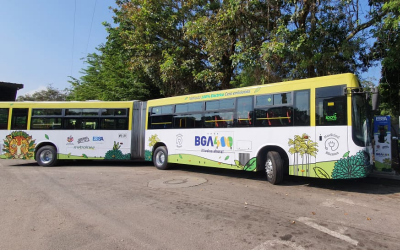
168	47
387	50
49	94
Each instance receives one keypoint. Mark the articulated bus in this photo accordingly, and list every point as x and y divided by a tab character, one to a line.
316	127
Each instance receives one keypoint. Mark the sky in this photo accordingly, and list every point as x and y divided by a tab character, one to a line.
43	41
39	44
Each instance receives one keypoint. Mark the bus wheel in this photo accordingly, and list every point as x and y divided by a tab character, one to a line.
160	158
274	168
46	156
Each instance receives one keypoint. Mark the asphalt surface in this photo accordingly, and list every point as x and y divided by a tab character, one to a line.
97	205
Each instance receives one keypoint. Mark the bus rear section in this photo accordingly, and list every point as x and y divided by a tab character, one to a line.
52	131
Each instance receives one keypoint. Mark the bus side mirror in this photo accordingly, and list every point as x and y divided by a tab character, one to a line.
375	98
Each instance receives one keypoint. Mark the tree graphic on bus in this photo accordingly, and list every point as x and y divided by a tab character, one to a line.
306	148
148	155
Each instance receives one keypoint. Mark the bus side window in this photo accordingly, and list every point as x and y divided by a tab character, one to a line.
244	112
19	119
4	118
185	121
122	124
161	117
331	106
209	120
301	116
161	122
45	123
274	117
89	124
72	124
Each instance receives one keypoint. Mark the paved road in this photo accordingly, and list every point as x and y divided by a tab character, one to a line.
99	205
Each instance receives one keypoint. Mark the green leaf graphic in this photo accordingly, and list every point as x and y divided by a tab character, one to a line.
257	89
84	156
238	164
346	154
321	173
46	136
226	158
251	165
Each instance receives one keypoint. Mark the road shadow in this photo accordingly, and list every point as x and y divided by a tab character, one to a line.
88	163
370	185
219	172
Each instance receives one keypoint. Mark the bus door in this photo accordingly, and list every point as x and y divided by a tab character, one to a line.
302	146
331	128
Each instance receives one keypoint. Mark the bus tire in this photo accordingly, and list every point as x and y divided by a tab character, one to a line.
274	168
160	158
46	156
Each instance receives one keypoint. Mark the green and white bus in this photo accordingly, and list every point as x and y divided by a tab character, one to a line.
316	127
52	131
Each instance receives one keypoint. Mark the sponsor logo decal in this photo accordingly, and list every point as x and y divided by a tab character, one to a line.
331	144
381	118
179	140
98	138
122	136
331	118
70	139
83	139
84	147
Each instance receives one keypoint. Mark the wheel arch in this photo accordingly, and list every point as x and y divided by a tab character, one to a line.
45	143
262	157
158	144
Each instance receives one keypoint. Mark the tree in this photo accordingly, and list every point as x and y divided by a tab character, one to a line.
153	36
108	76
48	94
170	47
387	49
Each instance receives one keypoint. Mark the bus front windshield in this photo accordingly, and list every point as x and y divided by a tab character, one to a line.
360	120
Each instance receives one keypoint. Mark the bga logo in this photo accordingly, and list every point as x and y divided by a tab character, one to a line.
98	138
226	141
70	139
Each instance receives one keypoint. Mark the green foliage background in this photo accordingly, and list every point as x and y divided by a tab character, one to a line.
161	48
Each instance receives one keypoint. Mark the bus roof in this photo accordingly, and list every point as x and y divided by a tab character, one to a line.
348	79
71	104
